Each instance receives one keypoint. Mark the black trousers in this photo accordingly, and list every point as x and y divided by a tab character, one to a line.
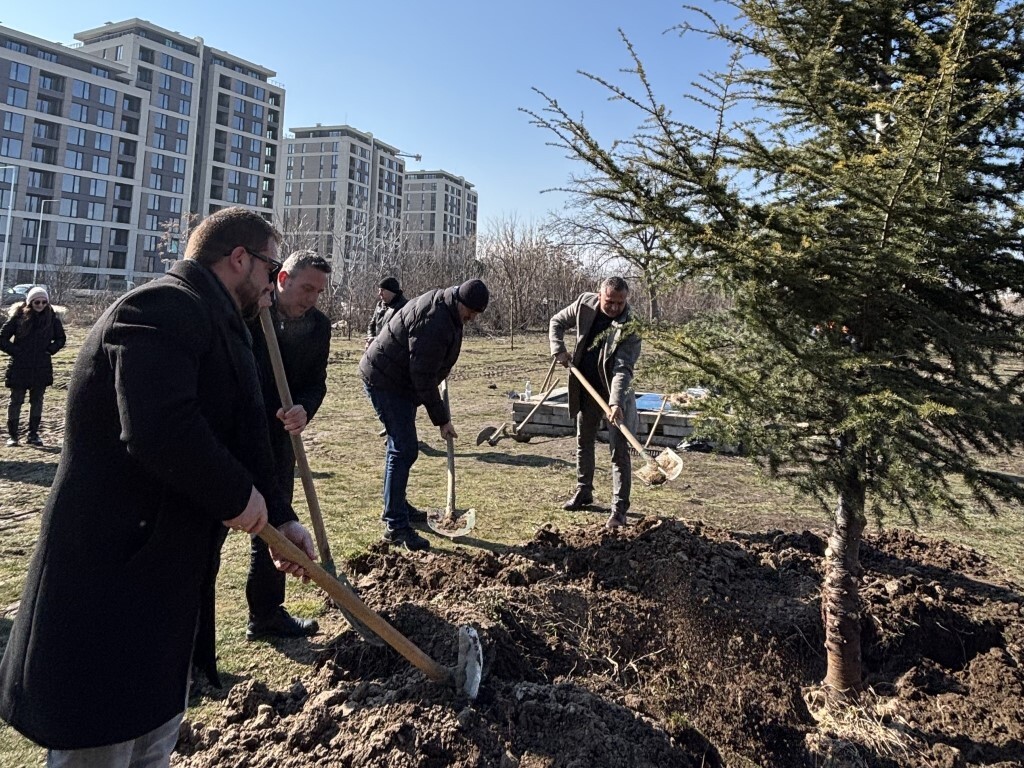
264	586
35	410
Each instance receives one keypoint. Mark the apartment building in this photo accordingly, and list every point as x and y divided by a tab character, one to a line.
133	128
342	195
440	211
72	131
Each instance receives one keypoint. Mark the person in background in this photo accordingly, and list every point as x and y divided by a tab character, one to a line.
390	300
32	335
402	369
304	337
165	449
605	353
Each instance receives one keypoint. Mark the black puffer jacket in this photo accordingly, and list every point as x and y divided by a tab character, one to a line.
31	338
415	352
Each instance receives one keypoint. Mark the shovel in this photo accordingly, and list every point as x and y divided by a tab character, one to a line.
451	525
464	677
668	465
281	379
491	435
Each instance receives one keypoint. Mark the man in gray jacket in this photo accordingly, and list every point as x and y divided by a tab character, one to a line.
605	354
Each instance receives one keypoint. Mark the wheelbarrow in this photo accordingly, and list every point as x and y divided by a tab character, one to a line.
668	466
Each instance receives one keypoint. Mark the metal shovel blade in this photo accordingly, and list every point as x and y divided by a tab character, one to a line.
487	434
470	668
670	463
450	526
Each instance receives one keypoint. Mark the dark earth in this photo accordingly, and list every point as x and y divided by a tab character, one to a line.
670	644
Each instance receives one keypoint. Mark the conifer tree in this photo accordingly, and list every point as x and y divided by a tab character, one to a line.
858	198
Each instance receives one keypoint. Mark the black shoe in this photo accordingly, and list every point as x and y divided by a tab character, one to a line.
416	515
280	624
383	432
34	440
11	442
406	537
580	500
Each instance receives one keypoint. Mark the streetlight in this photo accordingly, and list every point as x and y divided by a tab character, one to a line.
39	234
7	233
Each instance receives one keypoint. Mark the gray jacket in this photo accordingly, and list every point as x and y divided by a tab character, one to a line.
618	356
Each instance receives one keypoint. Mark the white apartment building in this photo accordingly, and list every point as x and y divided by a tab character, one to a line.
342	195
440	211
117	139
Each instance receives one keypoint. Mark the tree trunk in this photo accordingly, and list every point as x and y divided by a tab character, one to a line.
840	592
652	297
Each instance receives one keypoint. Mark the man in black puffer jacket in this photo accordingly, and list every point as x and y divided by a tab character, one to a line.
402	369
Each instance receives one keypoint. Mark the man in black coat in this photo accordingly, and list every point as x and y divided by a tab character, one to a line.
165	449
304	337
402	369
390	300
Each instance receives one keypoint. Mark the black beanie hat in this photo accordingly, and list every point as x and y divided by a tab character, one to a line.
474	294
390	284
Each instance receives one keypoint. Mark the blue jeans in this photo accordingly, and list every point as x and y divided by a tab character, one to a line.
398	414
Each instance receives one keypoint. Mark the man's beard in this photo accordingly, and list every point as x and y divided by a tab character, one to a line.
249	296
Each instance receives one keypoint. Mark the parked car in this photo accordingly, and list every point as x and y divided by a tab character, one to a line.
17	293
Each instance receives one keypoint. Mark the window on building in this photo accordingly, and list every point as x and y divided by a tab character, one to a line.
104	118
102	141
73	159
184	106
79	112
107	96
15	123
100	164
10	147
20	73
17	97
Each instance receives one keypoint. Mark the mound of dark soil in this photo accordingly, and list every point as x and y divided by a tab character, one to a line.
667	645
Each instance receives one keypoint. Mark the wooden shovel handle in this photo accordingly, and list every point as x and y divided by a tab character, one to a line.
608	413
529	416
281	379
450	447
347	599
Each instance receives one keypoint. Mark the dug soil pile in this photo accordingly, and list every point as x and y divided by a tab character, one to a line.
670	644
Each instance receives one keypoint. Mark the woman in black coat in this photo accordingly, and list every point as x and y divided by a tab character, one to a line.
32	334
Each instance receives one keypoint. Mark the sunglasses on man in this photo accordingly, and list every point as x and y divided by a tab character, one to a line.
275	266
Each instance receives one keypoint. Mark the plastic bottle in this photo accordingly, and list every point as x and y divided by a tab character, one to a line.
528	393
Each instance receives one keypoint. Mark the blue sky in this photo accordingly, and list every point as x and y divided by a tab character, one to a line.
442	79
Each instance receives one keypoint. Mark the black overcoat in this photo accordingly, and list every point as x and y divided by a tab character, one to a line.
165	433
31	343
